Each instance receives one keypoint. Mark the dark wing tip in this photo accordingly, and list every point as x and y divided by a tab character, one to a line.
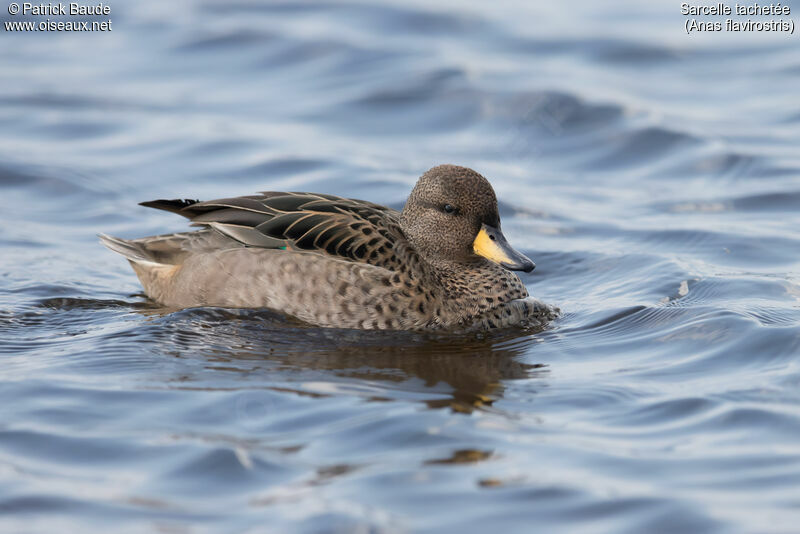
174	205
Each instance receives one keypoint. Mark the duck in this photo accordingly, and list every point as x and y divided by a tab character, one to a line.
442	263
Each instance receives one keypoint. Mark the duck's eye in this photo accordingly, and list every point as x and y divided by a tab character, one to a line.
448	208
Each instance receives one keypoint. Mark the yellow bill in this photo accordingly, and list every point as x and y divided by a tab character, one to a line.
492	245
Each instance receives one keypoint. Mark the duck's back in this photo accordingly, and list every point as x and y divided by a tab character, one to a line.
341	228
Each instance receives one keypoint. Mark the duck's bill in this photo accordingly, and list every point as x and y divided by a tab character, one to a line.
491	244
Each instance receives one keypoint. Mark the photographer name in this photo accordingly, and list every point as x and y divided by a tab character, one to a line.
73	8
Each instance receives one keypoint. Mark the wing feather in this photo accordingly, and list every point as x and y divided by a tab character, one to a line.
345	228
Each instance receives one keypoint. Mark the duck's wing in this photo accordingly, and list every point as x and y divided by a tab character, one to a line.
356	230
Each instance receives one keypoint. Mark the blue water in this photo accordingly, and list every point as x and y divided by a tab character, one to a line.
653	176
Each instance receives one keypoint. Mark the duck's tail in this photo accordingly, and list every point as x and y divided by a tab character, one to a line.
157	277
131	250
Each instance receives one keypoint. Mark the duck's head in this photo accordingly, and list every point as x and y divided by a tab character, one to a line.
452	215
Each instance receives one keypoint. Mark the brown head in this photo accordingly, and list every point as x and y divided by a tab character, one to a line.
452	215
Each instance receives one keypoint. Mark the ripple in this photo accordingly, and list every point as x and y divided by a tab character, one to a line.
672	413
639	147
717	166
208	472
619	52
557	114
772	202
225	40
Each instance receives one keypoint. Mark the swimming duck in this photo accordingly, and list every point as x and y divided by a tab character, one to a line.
441	263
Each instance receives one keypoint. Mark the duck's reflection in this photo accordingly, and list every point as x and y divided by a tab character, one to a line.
462	373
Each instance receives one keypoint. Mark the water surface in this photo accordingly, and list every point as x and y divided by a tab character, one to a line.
653	176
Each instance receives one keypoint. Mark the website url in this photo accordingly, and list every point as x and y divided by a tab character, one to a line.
57	26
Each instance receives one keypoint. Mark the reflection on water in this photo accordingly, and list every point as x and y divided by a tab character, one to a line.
653	177
460	373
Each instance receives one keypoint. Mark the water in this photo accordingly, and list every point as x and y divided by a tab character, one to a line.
653	177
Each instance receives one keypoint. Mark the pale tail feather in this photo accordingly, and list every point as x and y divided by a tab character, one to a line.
129	249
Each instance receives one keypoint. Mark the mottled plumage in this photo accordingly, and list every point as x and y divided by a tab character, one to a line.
345	263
